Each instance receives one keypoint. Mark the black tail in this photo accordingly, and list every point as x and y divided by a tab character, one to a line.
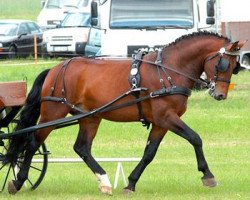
28	117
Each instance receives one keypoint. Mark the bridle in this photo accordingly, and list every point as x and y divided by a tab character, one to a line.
222	66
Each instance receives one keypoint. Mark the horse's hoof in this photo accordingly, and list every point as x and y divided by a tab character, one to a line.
11	188
106	190
209	182
127	191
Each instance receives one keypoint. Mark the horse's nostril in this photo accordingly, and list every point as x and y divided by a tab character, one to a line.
220	97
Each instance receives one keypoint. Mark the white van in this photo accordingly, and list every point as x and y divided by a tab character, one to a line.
53	11
70	37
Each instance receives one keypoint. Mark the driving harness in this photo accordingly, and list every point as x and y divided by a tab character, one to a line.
135	90
135	80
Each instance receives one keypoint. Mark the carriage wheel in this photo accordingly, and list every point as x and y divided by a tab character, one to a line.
37	170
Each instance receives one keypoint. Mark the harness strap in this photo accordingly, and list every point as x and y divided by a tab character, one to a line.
64	101
199	80
72	106
158	93
63	69
135	81
171	91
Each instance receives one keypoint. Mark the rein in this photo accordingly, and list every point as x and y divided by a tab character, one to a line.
110	107
199	80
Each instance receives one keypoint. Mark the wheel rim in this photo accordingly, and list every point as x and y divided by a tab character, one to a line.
36	173
12	52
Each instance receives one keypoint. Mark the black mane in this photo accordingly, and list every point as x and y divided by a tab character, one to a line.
199	34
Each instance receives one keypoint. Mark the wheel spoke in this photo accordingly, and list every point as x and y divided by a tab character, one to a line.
2	166
6	178
35	168
30	182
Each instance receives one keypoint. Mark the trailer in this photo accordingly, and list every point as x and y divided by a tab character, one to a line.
234	21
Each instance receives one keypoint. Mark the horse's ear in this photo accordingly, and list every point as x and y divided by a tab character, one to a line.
241	43
235	46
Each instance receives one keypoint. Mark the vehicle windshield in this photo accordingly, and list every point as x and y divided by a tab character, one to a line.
76	20
8	29
64	3
142	14
83	3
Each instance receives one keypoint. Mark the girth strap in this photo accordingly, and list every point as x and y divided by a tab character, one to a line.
171	91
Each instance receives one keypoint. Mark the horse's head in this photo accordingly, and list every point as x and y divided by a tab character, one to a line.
219	68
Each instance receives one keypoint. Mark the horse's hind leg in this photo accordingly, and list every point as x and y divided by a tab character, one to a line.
33	145
24	165
15	185
87	132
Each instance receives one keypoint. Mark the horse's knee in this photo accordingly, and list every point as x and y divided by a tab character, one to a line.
195	140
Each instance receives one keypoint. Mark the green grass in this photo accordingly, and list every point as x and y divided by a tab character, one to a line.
224	127
20	9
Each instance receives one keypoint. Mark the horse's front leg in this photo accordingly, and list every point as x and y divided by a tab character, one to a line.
176	125
154	139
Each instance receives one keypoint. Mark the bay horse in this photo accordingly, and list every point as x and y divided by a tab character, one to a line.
85	84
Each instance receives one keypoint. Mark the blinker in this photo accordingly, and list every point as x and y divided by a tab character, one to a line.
237	68
222	65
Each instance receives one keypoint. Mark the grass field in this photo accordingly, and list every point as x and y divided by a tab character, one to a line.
20	9
224	127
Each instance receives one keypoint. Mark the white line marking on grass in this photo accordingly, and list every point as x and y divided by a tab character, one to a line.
31	63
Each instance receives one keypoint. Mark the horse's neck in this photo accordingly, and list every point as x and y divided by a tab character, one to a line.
189	56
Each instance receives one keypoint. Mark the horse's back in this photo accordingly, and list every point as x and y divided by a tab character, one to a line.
89	83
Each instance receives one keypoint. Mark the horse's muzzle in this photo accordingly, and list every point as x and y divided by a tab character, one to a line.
217	95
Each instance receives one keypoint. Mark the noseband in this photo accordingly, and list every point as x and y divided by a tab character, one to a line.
221	66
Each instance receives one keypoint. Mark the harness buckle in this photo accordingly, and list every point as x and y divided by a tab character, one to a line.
152	95
134	83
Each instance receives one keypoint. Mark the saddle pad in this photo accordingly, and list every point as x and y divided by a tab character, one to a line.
12	93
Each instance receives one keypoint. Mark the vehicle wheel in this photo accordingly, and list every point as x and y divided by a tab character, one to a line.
37	170
246	61
12	52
